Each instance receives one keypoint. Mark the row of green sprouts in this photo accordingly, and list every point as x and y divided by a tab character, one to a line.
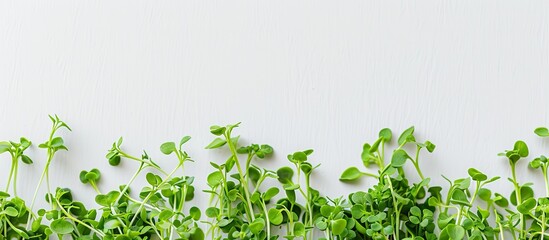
249	202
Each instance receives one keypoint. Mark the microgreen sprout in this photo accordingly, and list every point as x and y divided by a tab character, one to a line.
250	202
16	151
52	145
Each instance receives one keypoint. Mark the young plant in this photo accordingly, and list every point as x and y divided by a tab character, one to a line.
243	207
313	201
239	209
16	151
52	145
393	208
91	177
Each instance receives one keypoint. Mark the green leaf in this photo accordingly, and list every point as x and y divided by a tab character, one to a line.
459	197
526	206
452	232
153	179
168	148
430	146
4	195
26	159
542	132
195	213
501	200
25	143
217	130
350	174
525	193
196	234
307	168
10	211
322	226
415	211
406	136
216	143
57	142
257	225
270	193
476	175
485	194
82	176
115	160
215	178
285	175
299	157
266	149
462	183
275	216
299	229
212	212
61	226
386	134
184	140
399	158
535	164
112	224
4	147
165	214
415	220
326	210
291	187
108	199
338	226
521	148
389	229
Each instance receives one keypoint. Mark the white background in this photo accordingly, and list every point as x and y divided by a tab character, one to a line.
472	76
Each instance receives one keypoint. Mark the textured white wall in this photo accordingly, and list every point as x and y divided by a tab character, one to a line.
472	76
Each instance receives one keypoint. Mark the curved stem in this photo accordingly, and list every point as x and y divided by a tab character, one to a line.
152	193
16	163
68	215
11	175
519	200
39	184
244	183
416	164
397	227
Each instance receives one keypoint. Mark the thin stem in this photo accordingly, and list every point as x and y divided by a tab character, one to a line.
397	227
39	184
545	178
48	187
147	163
416	164
16	163
268	222
68	215
11	174
134	176
543	222
242	179
382	161
307	182
94	186
519	200
152	193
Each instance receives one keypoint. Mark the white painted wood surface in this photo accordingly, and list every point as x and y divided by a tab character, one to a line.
472	76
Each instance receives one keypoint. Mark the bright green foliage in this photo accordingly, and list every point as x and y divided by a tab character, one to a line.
16	151
243	206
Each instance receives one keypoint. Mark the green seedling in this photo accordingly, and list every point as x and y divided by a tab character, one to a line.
52	145
249	202
238	206
16	151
